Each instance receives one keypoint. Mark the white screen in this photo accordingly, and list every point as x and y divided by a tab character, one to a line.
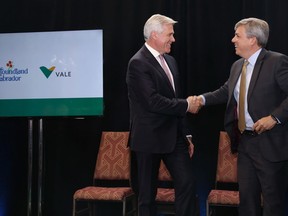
51	65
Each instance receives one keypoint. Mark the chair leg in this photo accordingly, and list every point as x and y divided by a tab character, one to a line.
132	210
90	210
124	207
74	207
207	208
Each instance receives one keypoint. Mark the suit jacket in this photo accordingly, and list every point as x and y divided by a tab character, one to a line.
267	94
156	111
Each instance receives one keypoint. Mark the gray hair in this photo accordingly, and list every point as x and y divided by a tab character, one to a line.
155	23
255	28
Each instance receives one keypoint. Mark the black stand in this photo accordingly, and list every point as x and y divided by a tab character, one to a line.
30	168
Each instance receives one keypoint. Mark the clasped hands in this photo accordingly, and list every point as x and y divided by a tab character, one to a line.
195	104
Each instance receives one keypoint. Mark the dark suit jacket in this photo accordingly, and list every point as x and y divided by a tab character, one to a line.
267	94
156	112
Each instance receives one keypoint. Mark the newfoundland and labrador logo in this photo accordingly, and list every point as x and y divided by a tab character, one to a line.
48	71
10	73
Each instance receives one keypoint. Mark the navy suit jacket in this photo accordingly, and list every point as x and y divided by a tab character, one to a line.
267	94
156	111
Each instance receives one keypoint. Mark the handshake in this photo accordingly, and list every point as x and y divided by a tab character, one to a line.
194	104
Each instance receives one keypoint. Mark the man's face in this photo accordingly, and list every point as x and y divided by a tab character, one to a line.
242	43
165	39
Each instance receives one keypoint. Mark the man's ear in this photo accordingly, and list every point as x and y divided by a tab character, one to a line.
154	35
253	41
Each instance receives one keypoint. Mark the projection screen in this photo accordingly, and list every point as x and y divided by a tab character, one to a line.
51	73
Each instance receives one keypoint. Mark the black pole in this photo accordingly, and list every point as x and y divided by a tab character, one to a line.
30	166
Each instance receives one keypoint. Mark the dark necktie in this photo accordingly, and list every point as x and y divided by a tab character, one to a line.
242	93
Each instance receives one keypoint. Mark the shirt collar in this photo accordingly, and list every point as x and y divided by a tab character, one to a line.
154	52
252	60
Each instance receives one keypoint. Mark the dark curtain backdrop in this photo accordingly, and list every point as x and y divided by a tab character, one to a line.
204	53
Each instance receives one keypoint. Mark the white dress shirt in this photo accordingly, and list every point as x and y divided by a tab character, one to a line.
250	67
156	54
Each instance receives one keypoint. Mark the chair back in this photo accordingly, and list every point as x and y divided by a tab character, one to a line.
113	159
164	174
227	162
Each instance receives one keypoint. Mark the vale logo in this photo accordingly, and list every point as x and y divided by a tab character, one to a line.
47	71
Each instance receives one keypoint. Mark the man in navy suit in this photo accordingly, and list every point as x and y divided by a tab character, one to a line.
157	120
262	144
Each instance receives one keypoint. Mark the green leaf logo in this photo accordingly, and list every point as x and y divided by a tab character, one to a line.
47	72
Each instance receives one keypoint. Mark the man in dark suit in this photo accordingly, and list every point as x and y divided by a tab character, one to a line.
262	143
157	120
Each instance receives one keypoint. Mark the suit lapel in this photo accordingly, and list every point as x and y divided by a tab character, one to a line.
158	67
232	83
172	69
256	72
